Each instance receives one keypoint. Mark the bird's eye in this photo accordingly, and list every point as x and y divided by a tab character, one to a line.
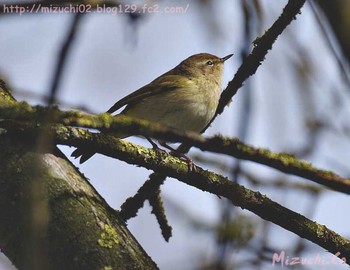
210	63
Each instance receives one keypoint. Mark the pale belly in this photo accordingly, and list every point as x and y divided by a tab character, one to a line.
192	113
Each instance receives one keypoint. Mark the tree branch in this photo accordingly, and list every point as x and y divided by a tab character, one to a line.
131	206
261	47
62	57
81	230
166	164
253	61
232	147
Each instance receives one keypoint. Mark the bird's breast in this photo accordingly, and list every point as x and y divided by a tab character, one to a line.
186	109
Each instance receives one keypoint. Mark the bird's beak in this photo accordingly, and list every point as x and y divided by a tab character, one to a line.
226	57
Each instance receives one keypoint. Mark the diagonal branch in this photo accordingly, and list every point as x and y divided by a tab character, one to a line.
261	47
204	180
232	147
148	191
253	61
63	57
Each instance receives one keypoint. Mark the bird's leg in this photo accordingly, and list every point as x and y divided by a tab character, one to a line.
174	152
178	154
155	146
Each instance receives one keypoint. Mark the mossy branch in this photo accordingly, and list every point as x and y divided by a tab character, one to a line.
233	147
249	66
204	180
51	217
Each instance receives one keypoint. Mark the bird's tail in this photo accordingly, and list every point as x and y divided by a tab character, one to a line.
83	154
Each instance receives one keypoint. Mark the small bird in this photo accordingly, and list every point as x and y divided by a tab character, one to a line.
185	97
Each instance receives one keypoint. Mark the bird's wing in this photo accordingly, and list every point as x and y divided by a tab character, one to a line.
160	85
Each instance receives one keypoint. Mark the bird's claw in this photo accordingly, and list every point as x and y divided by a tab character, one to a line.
190	165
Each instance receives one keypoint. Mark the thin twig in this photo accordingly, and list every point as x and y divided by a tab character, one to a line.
63	56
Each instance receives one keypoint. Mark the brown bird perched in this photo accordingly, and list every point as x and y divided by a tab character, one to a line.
185	97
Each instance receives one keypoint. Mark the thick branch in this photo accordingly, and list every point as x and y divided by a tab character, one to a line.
82	232
77	230
202	179
232	147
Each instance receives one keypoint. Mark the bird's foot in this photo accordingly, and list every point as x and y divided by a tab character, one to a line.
182	156
190	165
174	152
159	151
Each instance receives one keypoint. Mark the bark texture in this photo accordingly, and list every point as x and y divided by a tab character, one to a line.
52	218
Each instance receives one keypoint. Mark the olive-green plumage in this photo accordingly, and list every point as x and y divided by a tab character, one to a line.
186	97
